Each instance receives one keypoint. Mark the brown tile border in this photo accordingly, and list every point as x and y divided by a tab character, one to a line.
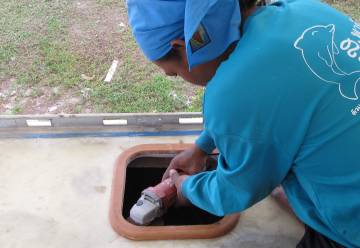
130	231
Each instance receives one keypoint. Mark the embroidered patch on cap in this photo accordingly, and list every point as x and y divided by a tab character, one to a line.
199	39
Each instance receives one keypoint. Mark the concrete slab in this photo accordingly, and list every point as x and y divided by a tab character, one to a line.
56	193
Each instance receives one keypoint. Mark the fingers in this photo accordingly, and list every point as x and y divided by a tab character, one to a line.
174	164
165	175
167	172
190	161
178	179
174	176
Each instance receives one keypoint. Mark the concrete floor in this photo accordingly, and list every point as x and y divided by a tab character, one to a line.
55	193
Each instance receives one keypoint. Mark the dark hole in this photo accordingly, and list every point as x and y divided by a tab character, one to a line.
147	171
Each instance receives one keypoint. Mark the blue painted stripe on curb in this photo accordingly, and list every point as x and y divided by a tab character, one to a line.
108	134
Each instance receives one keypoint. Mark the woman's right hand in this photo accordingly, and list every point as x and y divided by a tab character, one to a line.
190	161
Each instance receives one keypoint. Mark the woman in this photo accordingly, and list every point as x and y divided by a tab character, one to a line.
279	105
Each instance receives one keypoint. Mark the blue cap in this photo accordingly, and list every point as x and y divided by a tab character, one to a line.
208	27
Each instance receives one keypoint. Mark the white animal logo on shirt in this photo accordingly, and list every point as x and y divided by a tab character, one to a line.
321	59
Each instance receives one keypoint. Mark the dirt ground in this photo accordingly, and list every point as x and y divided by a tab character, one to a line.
54	57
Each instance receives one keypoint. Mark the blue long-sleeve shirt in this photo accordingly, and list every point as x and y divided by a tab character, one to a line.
284	109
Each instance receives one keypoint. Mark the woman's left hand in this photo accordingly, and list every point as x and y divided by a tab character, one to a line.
178	180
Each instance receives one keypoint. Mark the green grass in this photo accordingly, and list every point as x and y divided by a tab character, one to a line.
196	101
350	7
34	49
59	64
158	94
17	109
38	49
53	65
7	52
105	2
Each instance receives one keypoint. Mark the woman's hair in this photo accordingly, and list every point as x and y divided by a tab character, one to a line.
248	4
172	54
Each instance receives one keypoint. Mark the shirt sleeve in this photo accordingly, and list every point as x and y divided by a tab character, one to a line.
247	172
205	142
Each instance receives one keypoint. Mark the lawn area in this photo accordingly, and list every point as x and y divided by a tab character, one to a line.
54	56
